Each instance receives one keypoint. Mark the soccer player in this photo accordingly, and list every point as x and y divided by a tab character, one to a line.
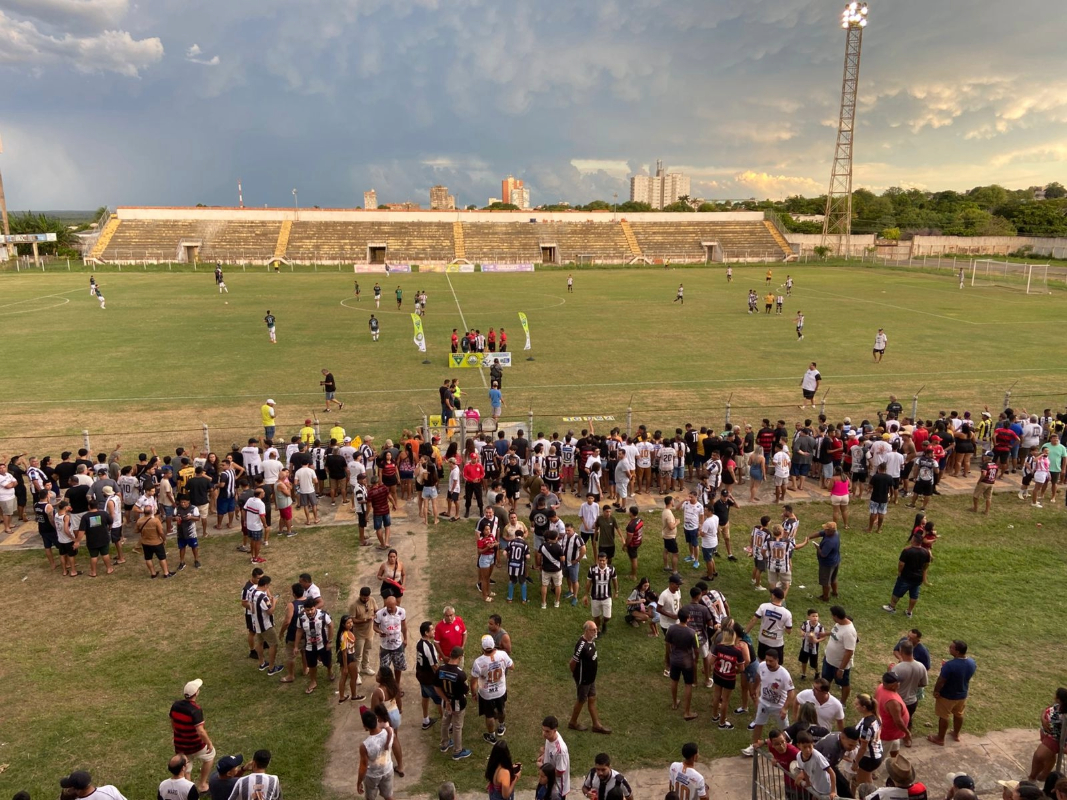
679	298
729	274
880	340
269	319
373	325
503	341
100	296
800	325
377	295
92	285
778	301
357	291
570	284
455	340
961	277
770	273
400	298
788	285
768	302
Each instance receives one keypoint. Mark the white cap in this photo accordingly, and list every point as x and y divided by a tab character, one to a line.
270	402
192	687
347	439
488	642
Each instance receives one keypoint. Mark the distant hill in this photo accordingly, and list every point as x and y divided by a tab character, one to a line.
68	216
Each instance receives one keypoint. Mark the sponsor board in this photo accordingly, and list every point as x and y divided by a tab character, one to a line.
381	269
605	418
507	267
460	268
28	238
475	360
434	268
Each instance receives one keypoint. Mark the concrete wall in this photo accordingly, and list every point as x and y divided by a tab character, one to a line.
1000	245
805	243
360	215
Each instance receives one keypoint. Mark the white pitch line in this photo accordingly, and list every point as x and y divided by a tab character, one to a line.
40	297
462	319
430	389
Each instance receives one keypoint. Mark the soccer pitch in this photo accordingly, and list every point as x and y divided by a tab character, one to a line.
169	353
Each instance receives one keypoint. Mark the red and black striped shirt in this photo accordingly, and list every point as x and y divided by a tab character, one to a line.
185	715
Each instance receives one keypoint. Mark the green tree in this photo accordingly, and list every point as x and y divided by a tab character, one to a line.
1055	190
681	204
707	207
30	222
596	205
892	234
501	207
634	206
1040	219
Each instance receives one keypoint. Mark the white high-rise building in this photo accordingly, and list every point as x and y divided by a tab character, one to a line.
520	196
370	200
661	189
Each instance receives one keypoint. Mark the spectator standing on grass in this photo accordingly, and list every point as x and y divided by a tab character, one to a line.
583	666
878	502
363	611
775	621
222	782
256	784
775	690
314	631
951	692
840	651
915	637
191	739
683	653
262	603
912	565
912	675
828	709
893	714
451	685
489	682
828	553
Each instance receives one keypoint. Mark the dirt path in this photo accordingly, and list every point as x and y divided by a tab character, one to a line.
409	537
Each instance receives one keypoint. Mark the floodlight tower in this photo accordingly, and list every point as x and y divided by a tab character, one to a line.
837	226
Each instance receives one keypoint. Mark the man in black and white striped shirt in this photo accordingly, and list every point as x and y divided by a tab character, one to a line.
601	584
262	607
257	784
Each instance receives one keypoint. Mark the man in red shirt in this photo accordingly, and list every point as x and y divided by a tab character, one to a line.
455	341
503	341
492	340
473	474
450	632
190	737
378	496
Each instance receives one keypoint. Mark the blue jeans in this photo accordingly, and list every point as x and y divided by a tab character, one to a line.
268	431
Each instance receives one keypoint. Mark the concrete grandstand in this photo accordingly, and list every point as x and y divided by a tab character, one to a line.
344	236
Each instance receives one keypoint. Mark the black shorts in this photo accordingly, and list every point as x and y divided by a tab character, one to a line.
362	519
608	551
97	552
494	708
861	477
924	488
160	551
876	350
809	394
116	535
687	674
808	658
724	683
321	655
632	551
868	764
248	620
67	548
492	474
670	545
762	650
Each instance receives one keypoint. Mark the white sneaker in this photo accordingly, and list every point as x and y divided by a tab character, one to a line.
1038	505
749	751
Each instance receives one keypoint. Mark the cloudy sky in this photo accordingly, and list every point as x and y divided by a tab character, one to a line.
169	102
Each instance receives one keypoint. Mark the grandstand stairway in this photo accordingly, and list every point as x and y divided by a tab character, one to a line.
283	240
782	243
460	244
104	238
631	240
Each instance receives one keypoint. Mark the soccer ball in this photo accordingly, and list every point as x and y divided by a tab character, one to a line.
227	302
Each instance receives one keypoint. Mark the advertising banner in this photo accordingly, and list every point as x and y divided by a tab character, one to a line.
475	360
507	267
460	268
420	340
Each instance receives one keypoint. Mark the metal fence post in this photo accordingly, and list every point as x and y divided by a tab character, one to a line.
629	421
462	430
85	439
425	428
728	404
317	436
531	431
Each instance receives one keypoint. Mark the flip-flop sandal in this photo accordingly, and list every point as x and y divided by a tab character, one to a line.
286	680
690	718
932	740
310	689
91	575
74	575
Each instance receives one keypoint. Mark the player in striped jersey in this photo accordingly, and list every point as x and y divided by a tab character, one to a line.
261	604
518	557
601	585
567	453
758	551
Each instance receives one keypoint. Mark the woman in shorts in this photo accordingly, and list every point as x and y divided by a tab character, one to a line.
391	574
757	465
840	487
150	529
870	753
966	444
1041	477
390	476
406	470
283	499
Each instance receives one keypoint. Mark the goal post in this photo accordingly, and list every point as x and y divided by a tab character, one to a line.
1026	278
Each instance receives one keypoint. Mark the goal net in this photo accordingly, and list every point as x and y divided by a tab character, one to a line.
1026	278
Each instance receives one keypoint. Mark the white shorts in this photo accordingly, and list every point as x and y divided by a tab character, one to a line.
203	755
766	713
839	500
601	608
622	487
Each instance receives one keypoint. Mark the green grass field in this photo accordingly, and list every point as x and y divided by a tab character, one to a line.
169	353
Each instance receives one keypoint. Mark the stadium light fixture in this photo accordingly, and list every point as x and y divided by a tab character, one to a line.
854	16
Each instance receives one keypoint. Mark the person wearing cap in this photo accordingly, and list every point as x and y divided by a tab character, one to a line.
268	417
222	781
489	683
80	784
191	739
178	786
960	784
893	713
899	785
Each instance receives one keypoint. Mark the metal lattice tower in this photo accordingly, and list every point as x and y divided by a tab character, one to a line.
837	226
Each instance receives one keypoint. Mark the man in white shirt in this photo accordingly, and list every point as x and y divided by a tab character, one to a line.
880	340
489	683
840	649
588	513
178	786
809	384
683	779
81	784
692	519
775	690
828	708
775	621
307	482
555	752
782	463
670	600
8	503
255	517
347	451
252	461
390	623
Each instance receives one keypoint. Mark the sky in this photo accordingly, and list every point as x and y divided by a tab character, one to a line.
170	102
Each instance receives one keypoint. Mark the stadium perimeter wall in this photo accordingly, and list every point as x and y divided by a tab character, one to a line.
918	246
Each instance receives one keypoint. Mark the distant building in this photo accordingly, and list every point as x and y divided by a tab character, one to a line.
407	205
507	185
493	200
370	199
440	199
520	196
659	190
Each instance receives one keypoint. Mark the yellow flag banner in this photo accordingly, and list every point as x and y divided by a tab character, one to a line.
525	329
420	340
